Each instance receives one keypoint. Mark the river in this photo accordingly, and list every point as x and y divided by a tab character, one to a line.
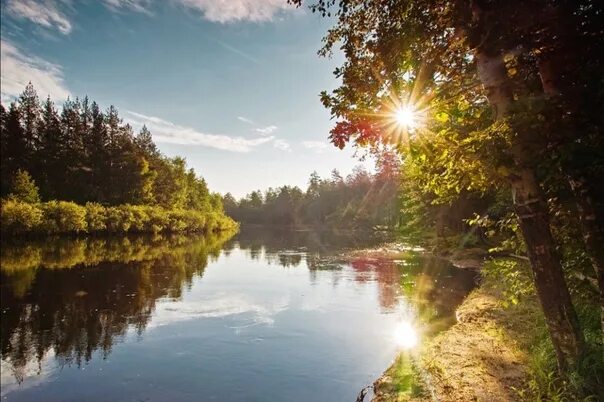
266	315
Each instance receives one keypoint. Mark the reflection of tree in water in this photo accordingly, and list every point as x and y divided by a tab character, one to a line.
432	285
288	248
77	312
274	240
436	289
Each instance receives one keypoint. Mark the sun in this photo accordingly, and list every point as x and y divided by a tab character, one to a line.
406	335
406	117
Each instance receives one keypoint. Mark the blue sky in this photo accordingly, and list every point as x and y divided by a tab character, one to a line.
231	85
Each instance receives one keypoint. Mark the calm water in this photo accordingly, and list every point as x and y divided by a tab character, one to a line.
267	315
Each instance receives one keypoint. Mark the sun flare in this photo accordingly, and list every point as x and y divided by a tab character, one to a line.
406	117
406	335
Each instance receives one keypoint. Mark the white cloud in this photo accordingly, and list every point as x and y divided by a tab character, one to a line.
168	132
141	6
317	146
237	10
34	373
245	120
268	130
45	13
18	69
218	307
282	145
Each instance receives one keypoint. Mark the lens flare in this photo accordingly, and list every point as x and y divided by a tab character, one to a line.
406	117
406	335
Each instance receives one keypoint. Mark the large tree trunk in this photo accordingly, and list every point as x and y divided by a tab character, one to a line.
533	214
556	67
593	233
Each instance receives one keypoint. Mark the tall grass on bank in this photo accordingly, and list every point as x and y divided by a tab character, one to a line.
585	382
64	217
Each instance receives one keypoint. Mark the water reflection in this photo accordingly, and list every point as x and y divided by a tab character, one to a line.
77	296
66	302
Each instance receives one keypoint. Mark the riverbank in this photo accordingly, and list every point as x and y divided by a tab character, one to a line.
20	218
479	358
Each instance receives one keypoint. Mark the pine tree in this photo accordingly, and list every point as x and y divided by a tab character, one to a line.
145	142
29	107
96	149
3	149
15	146
51	158
24	188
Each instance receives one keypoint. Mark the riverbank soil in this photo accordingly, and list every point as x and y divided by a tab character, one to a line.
483	357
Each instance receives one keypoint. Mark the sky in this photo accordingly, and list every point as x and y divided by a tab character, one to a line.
231	85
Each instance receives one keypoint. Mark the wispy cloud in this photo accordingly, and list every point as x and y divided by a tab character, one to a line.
238	52
141	6
317	146
19	68
245	120
168	132
268	130
224	11
282	145
45	13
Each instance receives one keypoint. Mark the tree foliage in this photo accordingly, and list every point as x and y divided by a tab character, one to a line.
509	99
361	200
82	155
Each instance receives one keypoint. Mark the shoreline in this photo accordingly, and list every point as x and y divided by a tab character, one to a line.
476	358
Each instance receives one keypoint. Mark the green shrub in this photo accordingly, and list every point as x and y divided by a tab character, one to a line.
95	217
140	217
177	221
63	217
19	217
68	217
211	222
195	221
158	220
119	219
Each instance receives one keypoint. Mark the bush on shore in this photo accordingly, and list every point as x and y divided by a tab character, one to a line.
55	217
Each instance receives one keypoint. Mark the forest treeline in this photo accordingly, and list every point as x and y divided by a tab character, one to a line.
83	170
361	200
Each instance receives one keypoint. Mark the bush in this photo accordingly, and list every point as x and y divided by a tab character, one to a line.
211	222
195	221
119	219
177	221
63	217
158	220
140	217
95	217
68	217
19	217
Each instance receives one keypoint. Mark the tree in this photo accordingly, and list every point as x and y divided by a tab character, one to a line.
97	151
29	106
145	142
445	56
3	150
24	188
85	155
15	147
50	156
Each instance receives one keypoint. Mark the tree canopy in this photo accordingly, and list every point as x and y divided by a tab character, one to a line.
506	101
